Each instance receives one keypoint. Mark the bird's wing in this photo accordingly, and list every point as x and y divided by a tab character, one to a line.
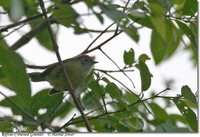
49	70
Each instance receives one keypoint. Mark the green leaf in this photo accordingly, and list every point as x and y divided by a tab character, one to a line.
173	37
65	15
188	94
189	115
8	102
159	112
164	5
99	17
158	19
107	124
113	90
145	21
163	48
132	32
91	100
178	117
3	43
158	48
134	124
170	127
14	69
145	75
144	57
96	87
4	80
112	12
43	100
6	125
131	98
188	32
91	3
17	10
61	111
40	31
44	34
136	14
129	57
190	7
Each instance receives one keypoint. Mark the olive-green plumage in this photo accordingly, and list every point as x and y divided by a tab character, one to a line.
77	68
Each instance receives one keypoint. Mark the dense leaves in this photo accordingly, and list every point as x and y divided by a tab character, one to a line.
110	105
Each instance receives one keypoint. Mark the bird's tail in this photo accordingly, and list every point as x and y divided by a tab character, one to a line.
36	77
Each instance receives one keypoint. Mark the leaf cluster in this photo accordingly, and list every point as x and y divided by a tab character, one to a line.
109	107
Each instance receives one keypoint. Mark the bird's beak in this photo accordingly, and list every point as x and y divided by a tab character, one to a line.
94	62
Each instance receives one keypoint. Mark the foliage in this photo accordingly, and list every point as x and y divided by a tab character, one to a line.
109	107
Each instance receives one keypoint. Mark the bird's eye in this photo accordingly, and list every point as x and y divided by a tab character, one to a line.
86	60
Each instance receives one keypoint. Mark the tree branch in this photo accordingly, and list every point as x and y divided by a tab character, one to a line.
55	46
20	22
75	121
97	37
66	124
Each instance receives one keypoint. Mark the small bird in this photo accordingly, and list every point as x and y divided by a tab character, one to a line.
77	68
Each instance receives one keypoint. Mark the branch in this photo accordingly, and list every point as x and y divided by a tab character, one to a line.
66	124
103	43
117	28
117	67
113	71
36	67
119	82
121	110
158	121
12	31
55	46
20	22
98	37
28	36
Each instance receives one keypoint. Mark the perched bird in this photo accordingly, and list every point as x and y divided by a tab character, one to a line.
77	68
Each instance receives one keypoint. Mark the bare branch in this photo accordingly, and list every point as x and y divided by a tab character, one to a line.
97	37
20	22
66	124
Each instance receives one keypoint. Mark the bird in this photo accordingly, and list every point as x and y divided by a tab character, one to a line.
77	68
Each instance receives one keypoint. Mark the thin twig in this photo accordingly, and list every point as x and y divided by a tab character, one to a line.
117	28
157	120
100	107
118	67
36	67
97	37
103	43
12	31
162	91
114	71
119	82
54	109
120	110
55	46
28	36
20	22
66	124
